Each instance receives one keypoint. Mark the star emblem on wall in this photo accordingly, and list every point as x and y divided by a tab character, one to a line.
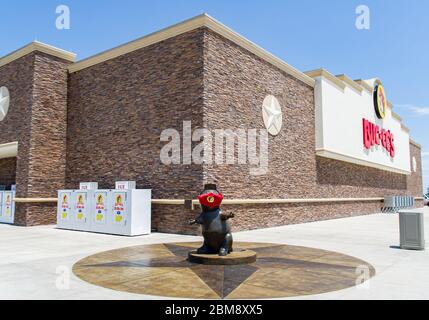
4	102
272	114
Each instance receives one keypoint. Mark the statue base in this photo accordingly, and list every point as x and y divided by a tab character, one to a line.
234	258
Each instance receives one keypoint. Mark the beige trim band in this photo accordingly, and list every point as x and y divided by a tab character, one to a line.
9	150
203	20
286	201
365	86
35	200
168	202
396	116
326	74
415	144
350	82
175	202
37	46
341	80
405	128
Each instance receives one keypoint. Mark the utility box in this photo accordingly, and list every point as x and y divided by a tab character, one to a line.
80	210
126	213
99	210
131	212
412	232
7	204
118	212
64	209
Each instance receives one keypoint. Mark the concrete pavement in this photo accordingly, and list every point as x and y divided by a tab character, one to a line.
36	262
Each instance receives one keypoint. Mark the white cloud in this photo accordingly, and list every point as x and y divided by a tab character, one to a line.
421	111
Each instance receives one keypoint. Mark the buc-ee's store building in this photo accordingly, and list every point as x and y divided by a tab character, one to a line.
336	148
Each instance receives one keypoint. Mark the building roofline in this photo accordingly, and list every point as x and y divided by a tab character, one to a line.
364	85
321	72
351	83
341	81
203	20
415	143
37	46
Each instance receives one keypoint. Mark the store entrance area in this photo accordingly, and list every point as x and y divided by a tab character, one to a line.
7	189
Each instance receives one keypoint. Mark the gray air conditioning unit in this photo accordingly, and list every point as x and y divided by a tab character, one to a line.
412	232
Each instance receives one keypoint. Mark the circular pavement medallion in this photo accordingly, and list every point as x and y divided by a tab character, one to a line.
279	271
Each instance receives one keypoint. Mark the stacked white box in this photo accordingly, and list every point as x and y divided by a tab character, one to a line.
81	206
101	200
119	212
64	209
130	212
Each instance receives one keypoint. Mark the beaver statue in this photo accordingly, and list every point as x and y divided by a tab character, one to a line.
216	228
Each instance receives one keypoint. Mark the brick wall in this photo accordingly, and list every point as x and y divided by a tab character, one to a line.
415	180
118	109
17	76
236	83
37	120
104	123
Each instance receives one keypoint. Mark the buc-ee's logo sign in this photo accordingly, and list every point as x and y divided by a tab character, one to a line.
372	133
380	101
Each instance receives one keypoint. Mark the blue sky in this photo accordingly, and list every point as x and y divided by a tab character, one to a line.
307	34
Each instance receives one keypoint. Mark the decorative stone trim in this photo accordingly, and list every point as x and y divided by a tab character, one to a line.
37	46
186	26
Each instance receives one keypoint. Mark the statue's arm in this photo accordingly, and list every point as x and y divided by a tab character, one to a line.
198	220
227	216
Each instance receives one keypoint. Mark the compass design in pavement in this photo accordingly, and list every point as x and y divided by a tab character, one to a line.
280	271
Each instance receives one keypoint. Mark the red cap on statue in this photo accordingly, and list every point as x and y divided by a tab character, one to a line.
210	200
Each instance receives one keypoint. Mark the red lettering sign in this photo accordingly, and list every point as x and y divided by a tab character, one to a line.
372	135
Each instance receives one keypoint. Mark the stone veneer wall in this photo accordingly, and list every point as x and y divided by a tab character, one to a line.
236	83
37	84
7	171
17	76
415	180
117	111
